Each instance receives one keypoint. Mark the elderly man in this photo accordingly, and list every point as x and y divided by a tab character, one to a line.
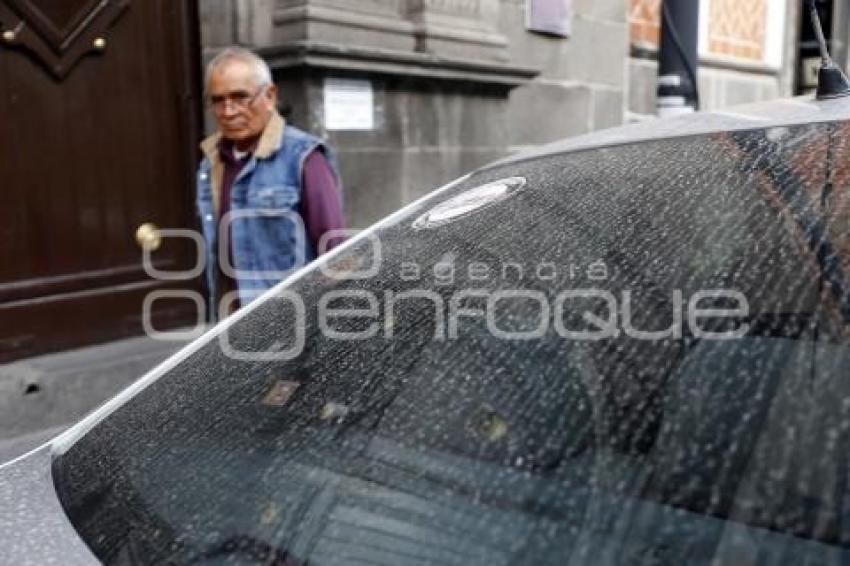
267	192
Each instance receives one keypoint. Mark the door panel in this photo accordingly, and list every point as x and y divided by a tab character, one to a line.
90	151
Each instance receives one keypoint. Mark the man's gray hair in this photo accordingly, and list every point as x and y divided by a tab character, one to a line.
230	54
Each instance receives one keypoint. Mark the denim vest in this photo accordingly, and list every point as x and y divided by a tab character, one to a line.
269	240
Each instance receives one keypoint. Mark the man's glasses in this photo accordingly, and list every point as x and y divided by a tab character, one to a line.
239	99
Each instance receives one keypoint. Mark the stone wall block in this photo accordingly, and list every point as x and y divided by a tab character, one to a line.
595	52
564	111
374	191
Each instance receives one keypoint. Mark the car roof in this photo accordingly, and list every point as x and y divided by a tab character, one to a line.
775	113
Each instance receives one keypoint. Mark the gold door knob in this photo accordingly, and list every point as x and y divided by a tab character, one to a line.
148	237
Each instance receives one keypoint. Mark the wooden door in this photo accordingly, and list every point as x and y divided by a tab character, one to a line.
99	121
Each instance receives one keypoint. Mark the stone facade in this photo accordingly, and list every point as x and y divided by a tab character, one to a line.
459	83
582	85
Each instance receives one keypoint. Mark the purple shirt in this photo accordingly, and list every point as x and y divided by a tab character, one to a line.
321	202
232	167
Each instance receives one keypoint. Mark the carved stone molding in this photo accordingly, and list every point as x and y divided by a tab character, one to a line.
58	34
458	28
374	23
467	8
454	28
330	56
451	40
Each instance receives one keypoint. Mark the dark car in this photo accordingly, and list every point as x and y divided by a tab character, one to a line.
627	348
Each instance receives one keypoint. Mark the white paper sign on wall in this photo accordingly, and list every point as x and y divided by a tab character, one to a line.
349	104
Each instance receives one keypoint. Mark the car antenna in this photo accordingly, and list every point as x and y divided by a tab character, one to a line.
832	82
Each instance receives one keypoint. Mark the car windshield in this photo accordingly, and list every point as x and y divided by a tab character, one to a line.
630	354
